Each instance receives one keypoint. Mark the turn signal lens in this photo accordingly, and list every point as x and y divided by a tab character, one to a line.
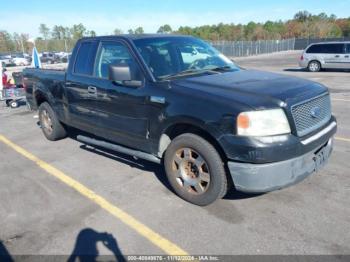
243	121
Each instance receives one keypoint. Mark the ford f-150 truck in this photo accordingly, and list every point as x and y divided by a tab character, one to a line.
177	101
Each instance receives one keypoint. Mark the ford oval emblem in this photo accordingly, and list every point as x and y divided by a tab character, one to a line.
315	112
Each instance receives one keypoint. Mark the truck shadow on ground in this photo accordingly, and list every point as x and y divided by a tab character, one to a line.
158	170
132	162
144	165
233	194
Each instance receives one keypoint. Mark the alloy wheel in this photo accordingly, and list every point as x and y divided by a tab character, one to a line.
314	67
46	121
191	171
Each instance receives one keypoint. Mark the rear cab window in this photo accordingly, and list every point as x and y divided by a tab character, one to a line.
84	63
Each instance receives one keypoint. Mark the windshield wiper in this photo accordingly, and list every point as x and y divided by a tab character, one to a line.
183	73
215	70
221	68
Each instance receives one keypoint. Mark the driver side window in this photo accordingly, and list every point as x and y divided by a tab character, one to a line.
111	53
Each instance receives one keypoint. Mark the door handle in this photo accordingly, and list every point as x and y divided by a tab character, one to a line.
346	56
92	90
337	56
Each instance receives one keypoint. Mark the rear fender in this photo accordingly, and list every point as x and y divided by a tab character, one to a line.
43	94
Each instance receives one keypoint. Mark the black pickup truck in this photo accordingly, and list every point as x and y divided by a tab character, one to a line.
177	101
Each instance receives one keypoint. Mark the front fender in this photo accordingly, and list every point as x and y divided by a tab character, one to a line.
186	124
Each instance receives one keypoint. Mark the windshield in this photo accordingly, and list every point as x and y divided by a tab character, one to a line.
176	56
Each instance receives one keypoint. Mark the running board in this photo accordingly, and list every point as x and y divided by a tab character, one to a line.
120	149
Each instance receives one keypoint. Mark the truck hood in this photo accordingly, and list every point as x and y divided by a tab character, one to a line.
254	88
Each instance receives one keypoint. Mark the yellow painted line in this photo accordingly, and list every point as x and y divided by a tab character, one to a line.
161	242
342	139
339	99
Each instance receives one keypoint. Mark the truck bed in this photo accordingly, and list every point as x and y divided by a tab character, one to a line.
35	78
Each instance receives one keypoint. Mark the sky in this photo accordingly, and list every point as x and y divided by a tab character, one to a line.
105	15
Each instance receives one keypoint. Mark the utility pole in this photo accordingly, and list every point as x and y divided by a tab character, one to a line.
21	40
65	45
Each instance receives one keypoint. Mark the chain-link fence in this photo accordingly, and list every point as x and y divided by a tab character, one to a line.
229	48
248	48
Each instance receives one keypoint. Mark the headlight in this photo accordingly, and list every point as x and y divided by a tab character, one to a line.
262	123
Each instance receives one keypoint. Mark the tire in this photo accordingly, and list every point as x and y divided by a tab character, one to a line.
195	170
50	125
314	66
13	104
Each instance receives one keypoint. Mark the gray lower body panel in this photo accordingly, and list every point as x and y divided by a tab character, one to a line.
256	178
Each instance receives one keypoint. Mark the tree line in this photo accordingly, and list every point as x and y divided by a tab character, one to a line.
303	25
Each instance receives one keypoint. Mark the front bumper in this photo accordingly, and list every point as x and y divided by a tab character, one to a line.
257	178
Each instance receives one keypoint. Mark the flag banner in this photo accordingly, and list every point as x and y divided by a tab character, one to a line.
35	58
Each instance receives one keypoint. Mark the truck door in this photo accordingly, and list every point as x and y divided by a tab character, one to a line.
123	111
80	89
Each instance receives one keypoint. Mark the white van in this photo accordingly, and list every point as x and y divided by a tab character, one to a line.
335	55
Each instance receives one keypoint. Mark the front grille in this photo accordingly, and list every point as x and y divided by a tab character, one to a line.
311	114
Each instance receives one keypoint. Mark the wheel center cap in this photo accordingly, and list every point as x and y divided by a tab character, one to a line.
189	171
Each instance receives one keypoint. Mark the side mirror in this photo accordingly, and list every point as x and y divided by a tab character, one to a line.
125	74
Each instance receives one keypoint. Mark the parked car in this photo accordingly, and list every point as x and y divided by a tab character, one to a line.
66	58
49	58
61	54
28	57
211	123
328	55
20	60
5	60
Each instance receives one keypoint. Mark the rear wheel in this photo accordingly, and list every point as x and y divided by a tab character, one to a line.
195	170
314	66
51	126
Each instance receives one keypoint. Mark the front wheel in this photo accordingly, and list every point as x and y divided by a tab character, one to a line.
195	170
51	126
